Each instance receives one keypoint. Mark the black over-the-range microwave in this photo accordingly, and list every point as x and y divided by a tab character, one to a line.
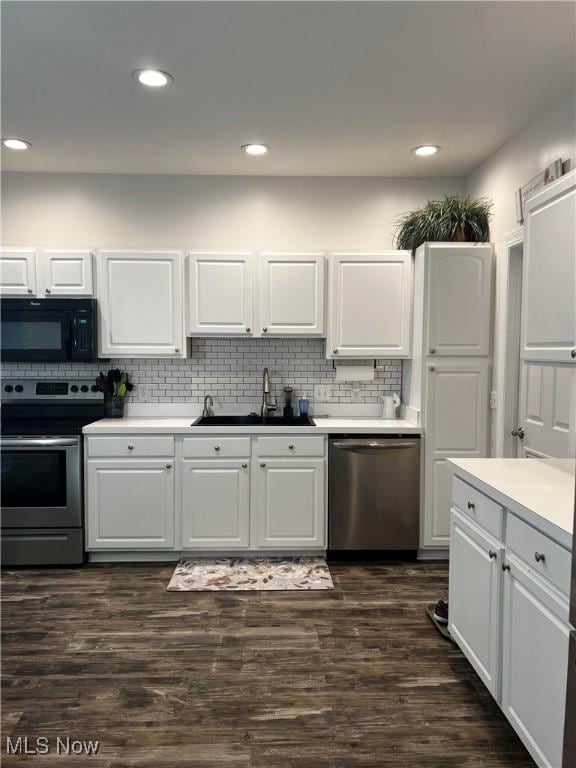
49	330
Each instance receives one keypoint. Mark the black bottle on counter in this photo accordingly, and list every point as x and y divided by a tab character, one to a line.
288	411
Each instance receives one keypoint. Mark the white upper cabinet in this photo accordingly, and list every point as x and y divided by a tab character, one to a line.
18	271
66	273
220	294
291	294
549	274
140	302
369	304
459	299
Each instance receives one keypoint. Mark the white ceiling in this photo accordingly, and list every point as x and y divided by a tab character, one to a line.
335	88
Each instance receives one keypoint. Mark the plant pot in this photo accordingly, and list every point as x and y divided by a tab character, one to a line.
113	407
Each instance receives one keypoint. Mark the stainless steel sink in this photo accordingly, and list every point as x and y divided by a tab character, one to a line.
253	420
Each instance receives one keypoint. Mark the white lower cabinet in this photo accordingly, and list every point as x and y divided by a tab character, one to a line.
289	504
509	616
215	504
534	663
474	596
130	504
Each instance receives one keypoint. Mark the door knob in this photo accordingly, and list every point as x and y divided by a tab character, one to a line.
48	290
247	330
130	447
519	433
244	466
216	447
168	466
30	290
573	353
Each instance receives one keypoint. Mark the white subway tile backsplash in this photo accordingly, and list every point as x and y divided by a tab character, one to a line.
232	370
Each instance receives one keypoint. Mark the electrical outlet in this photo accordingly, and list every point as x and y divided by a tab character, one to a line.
356	395
322	393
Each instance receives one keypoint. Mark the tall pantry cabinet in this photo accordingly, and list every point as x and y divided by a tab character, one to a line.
446	383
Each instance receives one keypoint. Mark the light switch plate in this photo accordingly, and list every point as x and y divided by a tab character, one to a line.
493	400
322	393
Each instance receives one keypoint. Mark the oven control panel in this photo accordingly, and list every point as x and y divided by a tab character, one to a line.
50	389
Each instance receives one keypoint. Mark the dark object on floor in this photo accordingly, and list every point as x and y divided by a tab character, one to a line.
441	612
442	627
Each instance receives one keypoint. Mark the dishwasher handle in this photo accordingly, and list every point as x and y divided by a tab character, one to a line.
373	444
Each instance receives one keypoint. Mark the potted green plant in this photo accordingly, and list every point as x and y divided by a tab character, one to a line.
115	386
452	219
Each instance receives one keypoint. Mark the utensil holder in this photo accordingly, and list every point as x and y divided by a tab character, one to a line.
114	407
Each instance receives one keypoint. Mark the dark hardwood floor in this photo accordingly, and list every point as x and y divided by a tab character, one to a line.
352	678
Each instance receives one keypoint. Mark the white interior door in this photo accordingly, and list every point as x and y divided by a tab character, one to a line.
140	303
547	415
369	305
220	294
215	504
292	294
67	273
549	300
18	271
457	426
459	302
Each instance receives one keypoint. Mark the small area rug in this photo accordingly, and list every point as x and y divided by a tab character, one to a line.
242	574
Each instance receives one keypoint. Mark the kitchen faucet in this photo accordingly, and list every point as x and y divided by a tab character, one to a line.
268	401
208	410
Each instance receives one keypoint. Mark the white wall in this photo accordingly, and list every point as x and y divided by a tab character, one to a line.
542	141
124	211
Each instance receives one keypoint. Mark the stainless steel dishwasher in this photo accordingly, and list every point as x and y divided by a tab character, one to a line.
374	493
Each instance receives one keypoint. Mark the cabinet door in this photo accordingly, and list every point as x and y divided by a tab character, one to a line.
369	304
457	419
459	299
534	663
220	294
18	271
547	410
66	273
475	574
140	301
215	504
549	274
130	505
289	504
292	294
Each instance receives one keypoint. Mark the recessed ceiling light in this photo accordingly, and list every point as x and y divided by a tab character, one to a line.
153	78
17	144
426	149
255	149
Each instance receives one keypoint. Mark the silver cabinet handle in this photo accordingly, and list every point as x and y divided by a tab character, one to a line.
262	465
505	567
248	330
48	290
573	353
334	351
216	448
291	447
168	466
519	433
30	290
471	505
492	554
177	349
432	351
264	330
39	442
540	557
244	466
374	444
130	447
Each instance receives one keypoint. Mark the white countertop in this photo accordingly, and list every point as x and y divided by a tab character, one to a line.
528	487
183	425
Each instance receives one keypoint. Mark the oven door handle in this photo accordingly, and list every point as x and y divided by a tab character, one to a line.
38	442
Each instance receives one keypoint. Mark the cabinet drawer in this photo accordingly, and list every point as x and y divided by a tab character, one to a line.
478	506
214	447
131	446
290	446
529	545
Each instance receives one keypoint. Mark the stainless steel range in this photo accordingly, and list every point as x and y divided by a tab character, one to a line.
42	478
